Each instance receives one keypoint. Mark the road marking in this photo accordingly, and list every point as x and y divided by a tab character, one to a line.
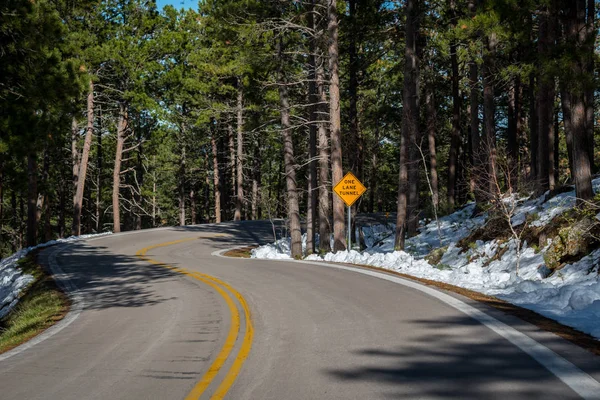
245	347
222	288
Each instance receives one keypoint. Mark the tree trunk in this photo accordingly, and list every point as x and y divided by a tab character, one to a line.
89	133
409	118
568	127
581	162
99	180
240	153
476	148
139	181
512	132
182	171
400	237
591	86
374	172
32	194
581	157
353	92
62	205
313	99
456	110
43	189
545	105
279	189
193	206
489	110
47	220
256	184
337	172
356	157
216	180
431	132
533	130
207	188
288	156
324	181
232	163
521	138
122	126
75	156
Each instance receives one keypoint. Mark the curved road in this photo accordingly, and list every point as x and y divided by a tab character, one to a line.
156	321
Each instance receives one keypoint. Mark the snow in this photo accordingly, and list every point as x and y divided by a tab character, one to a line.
13	281
570	295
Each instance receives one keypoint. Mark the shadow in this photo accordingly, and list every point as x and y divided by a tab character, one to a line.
445	362
239	233
243	233
107	280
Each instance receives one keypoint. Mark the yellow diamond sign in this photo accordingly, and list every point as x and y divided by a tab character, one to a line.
349	189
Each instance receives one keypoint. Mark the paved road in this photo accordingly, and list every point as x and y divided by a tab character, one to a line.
152	331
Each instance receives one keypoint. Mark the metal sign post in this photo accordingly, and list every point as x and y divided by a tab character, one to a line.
349	228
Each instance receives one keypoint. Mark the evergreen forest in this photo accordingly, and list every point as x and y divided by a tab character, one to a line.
116	115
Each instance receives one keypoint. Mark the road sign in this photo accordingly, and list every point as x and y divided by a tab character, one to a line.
349	189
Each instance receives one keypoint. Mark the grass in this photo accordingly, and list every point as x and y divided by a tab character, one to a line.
242	252
42	304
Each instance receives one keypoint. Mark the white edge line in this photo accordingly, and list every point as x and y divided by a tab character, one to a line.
579	381
77	305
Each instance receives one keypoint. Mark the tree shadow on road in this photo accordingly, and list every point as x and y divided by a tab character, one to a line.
112	280
444	365
233	234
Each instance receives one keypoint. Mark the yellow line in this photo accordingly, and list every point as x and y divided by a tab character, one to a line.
245	347
223	355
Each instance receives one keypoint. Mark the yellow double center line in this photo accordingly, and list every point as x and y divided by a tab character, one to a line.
224	290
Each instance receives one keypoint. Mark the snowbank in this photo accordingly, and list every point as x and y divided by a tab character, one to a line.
13	281
571	295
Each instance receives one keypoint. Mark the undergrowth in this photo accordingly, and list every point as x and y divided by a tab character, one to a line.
41	305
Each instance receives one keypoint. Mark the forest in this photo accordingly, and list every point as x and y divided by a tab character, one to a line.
116	115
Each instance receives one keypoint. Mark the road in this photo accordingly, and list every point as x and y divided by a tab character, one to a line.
159	312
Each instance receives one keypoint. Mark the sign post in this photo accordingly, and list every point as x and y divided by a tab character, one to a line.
349	189
349	228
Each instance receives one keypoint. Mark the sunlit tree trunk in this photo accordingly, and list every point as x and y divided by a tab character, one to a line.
337	172
311	212
324	180
82	175
409	118
240	153
431	134
216	177
122	126
293	208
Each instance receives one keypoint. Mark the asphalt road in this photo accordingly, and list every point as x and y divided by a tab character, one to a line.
157	323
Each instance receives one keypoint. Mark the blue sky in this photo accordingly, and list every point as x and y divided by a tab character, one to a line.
178	3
